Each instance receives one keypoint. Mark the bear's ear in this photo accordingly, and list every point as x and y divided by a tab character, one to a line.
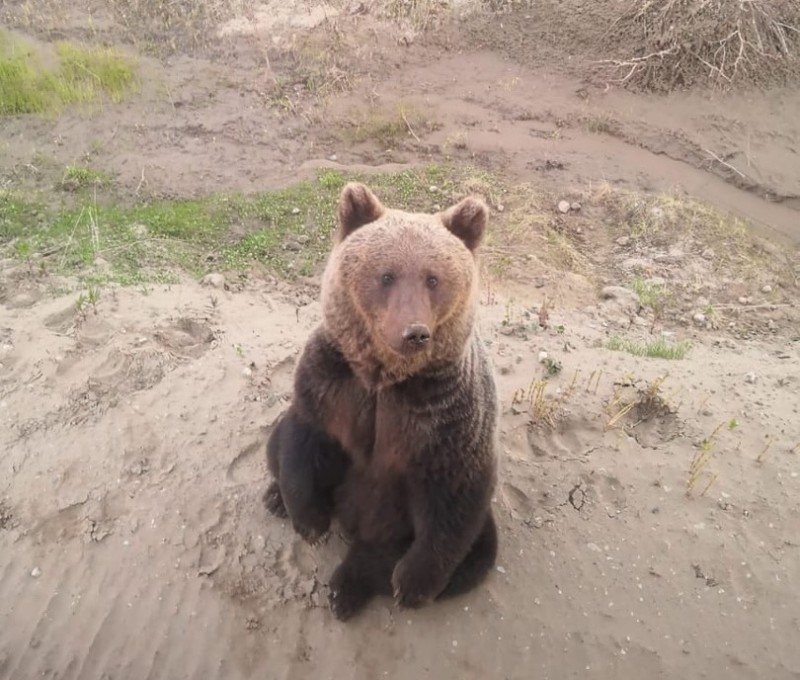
467	220
357	206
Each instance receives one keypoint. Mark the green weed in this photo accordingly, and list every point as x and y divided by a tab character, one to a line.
655	349
77	177
653	295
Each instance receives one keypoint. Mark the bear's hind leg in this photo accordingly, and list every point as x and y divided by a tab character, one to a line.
307	465
477	564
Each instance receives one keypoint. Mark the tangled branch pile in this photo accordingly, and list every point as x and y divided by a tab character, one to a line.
681	43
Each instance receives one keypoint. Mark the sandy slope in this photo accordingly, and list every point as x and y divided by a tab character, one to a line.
134	544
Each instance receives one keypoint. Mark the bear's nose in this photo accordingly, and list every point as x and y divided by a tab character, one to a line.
416	335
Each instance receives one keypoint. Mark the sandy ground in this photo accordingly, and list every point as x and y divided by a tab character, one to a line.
133	542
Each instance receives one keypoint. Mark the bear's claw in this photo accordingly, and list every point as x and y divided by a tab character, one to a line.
274	501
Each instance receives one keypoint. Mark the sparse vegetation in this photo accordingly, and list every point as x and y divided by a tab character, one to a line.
670	222
286	231
659	348
386	126
84	75
542	409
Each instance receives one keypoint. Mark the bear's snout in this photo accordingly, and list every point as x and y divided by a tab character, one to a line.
416	337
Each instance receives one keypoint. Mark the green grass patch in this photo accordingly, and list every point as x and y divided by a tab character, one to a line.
79	177
655	349
82	74
287	232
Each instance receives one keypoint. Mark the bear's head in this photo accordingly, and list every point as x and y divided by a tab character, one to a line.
400	289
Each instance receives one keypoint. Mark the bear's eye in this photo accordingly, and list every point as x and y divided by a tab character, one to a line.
387	279
432	282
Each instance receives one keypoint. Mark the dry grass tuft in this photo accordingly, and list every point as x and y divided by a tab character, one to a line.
681	43
640	403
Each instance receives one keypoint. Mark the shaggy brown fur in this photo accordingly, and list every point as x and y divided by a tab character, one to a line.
392	425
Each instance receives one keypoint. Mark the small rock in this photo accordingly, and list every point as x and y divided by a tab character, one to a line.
500	207
501	570
576	206
213	280
766	289
619	293
672	257
744	301
433	188
563	207
36	572
295	211
623	240
542	356
699	318
750	378
140	230
247	372
332	157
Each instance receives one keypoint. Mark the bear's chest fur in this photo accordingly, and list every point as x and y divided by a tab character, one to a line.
373	501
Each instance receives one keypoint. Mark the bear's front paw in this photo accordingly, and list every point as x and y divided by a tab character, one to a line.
348	593
414	584
274	501
312	532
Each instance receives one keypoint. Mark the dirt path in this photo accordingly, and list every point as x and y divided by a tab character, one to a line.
647	507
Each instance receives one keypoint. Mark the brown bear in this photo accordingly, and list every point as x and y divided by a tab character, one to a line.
392	424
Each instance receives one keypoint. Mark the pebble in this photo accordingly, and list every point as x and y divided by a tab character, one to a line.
433	188
750	378
699	318
618	293
247	372
623	240
563	207
213	280
36	572
576	206
501	570
766	289
744	300
295	211
542	356
332	157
